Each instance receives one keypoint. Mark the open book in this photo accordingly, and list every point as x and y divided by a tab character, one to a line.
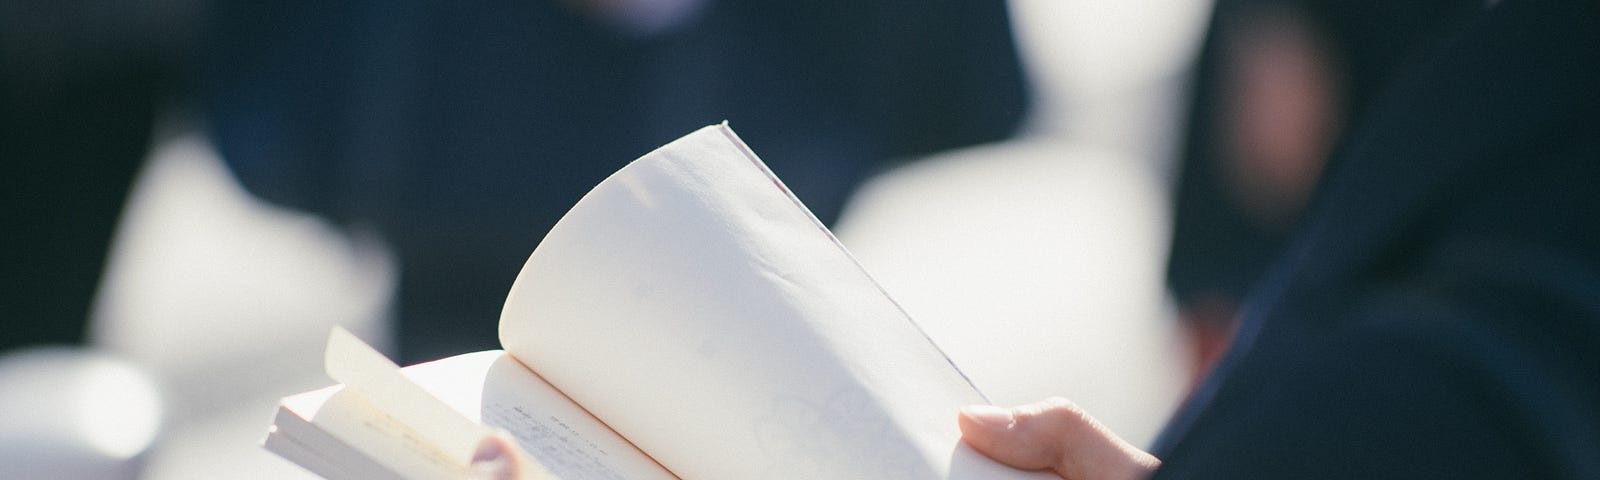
688	318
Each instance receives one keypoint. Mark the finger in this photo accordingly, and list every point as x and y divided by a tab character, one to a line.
1012	436
498	457
1054	434
495	459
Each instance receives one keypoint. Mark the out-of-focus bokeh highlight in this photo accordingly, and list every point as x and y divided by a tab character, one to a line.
1039	262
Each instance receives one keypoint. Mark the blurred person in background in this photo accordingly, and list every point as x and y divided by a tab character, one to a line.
80	87
461	133
1276	83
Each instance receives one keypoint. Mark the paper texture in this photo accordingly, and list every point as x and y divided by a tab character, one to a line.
494	389
696	307
427	419
367	373
333	455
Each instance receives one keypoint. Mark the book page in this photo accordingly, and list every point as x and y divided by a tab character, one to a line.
701	311
344	449
373	379
386	440
492	388
427	419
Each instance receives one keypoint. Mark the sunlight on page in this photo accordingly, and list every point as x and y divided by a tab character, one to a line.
426	420
497	391
374	377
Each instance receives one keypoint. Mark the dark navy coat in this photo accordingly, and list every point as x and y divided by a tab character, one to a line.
1438	313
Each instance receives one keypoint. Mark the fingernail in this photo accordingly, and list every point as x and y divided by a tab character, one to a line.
989	416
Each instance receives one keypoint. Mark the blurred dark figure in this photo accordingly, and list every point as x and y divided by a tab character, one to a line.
80	84
460	132
1437	312
463	132
1276	83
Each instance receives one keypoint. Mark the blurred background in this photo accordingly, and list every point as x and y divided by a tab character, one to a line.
1071	196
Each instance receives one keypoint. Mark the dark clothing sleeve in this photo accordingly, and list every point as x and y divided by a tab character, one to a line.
1217	250
1407	393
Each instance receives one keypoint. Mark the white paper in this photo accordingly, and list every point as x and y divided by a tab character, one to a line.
495	390
427	419
376	379
385	439
691	303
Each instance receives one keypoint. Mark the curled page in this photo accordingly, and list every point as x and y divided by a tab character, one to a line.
695	306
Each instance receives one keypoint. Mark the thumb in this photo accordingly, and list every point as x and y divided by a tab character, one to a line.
495	459
498	457
1054	434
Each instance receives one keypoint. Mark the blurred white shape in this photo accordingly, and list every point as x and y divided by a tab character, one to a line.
1081	51
204	276
69	413
1083	46
1111	74
1036	265
120	408
228	301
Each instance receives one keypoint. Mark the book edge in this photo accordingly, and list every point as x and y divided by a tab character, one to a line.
750	155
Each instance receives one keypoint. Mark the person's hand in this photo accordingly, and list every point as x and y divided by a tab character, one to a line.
500	458
1053	435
